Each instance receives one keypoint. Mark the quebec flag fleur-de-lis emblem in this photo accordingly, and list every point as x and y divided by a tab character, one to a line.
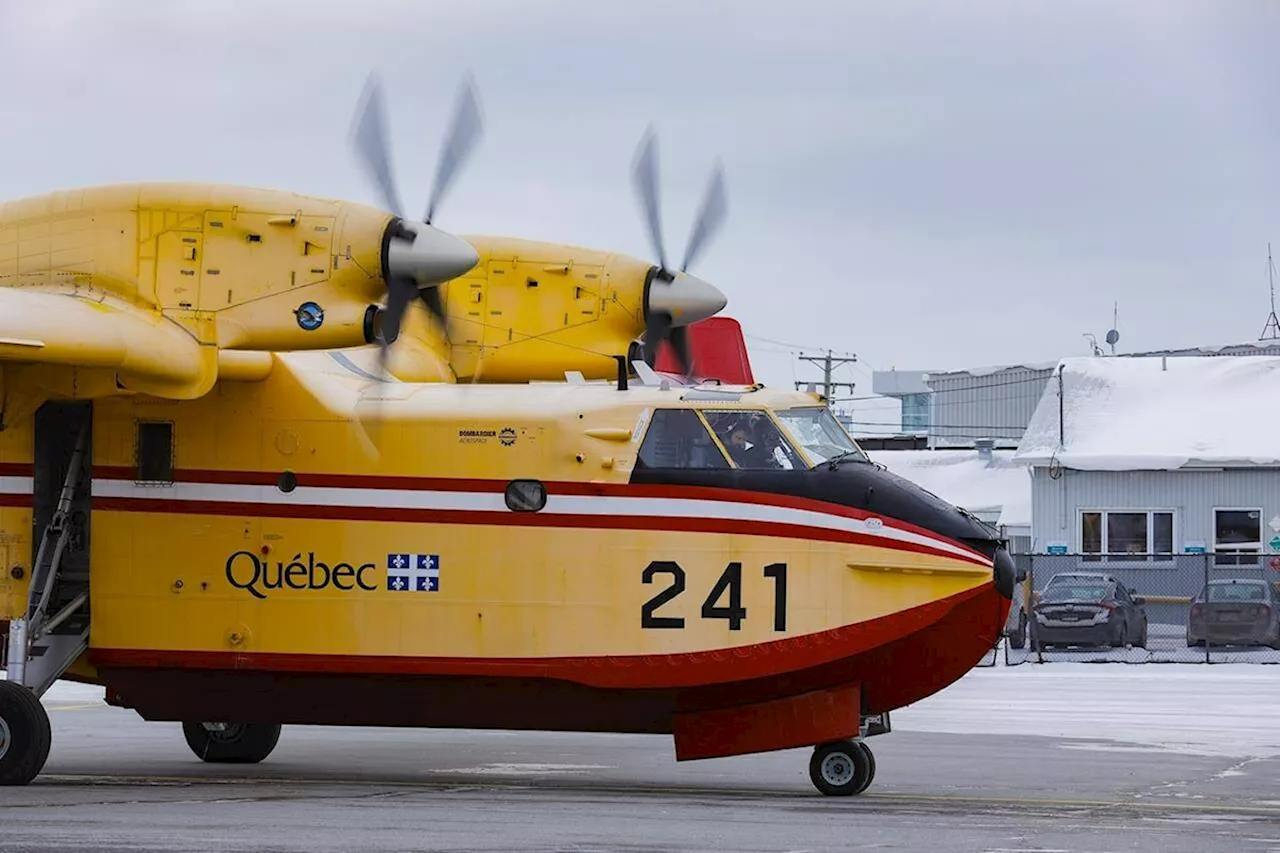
413	572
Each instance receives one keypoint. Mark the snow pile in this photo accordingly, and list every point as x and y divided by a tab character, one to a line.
1125	414
998	492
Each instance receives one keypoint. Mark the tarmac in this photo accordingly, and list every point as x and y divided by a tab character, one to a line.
115	783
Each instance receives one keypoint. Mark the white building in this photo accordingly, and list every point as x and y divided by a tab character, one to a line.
1144	458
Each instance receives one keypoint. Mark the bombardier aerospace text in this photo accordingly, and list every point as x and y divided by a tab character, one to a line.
268	459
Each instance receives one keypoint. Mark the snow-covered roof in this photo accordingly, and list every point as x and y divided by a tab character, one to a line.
998	492
990	370
1127	414
1259	347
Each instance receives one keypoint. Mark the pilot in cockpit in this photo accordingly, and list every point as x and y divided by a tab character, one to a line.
744	446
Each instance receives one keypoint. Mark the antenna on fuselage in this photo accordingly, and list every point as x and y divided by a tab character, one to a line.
622	371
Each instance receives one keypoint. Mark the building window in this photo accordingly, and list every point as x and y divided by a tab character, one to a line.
1237	537
915	413
1126	535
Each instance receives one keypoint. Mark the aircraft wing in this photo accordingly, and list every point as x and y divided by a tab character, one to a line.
149	351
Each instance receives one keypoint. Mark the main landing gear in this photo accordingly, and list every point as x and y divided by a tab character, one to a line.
847	767
24	734
231	743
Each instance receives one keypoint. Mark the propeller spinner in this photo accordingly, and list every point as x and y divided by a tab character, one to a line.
673	299
417	257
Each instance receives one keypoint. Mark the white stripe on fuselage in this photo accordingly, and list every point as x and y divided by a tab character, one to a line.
17	485
608	505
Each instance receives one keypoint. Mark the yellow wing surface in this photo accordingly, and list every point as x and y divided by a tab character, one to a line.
141	350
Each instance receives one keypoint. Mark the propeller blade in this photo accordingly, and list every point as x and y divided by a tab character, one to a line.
710	217
657	327
430	297
400	291
369	137
645	178
463	135
680	344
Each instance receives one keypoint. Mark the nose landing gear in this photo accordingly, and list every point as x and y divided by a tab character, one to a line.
843	768
231	743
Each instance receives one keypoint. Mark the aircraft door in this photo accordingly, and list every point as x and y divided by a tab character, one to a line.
60	428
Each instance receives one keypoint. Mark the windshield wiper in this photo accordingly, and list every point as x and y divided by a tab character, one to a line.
834	461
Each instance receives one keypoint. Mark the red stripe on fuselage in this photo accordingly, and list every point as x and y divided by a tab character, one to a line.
566	488
514	519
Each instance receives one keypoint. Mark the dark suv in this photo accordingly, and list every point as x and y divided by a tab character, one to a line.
1088	609
1235	612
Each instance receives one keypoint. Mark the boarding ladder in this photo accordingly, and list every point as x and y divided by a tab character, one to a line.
43	646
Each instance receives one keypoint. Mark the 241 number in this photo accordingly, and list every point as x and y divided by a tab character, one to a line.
730	582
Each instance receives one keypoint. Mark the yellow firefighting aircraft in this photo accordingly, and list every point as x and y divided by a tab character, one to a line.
189	515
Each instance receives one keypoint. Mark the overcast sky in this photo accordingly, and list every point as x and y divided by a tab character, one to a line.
927	185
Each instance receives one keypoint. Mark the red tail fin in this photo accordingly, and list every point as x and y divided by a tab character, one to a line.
718	351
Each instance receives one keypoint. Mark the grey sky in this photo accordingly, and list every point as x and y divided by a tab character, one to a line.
925	184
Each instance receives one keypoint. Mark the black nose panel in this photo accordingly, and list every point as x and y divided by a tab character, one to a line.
1004	572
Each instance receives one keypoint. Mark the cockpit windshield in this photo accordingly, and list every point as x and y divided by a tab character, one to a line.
820	434
752	440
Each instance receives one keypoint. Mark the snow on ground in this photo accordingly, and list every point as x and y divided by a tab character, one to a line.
1122	414
1207	709
998	490
1230	710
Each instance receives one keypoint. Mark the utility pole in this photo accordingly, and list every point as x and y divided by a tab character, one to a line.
1271	330
828	363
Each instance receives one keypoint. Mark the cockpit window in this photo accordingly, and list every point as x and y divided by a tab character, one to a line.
819	433
752	439
677	438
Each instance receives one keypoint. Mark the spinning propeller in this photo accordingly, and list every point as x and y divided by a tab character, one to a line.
672	298
417	257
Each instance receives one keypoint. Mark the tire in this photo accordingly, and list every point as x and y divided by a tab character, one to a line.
1018	639
25	735
840	769
871	765
238	743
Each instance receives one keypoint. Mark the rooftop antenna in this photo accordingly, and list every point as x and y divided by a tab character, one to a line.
1113	334
1271	331
1093	343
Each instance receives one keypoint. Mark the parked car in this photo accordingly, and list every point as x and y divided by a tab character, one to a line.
1235	612
1088	609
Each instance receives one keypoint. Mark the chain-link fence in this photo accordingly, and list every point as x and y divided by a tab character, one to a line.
1146	608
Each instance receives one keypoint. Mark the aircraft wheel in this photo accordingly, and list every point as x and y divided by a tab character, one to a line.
871	765
24	734
231	743
841	769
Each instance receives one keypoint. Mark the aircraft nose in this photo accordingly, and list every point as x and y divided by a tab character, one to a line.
686	298
433	256
1005	572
